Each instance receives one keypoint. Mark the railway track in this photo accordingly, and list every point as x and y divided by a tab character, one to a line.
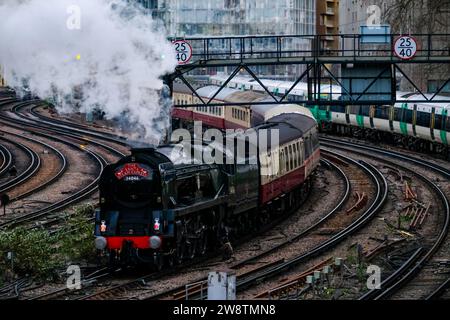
30	170
34	125
7	159
60	155
421	256
439	291
76	197
83	128
315	225
87	281
65	135
376	205
62	126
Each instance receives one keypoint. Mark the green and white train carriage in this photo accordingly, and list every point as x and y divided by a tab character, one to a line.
427	121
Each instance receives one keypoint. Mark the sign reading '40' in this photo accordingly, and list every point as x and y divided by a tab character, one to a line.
405	47
183	51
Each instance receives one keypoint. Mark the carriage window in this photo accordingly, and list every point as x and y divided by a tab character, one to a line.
294	148
336	108
307	147
302	154
398	114
407	116
286	154
291	158
365	111
382	112
423	119
438	122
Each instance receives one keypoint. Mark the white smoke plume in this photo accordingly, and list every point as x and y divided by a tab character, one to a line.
110	49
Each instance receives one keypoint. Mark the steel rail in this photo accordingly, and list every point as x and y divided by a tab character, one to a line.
374	208
439	169
313	226
62	160
406	273
64	123
33	167
439	291
16	123
79	195
67	133
55	123
7	159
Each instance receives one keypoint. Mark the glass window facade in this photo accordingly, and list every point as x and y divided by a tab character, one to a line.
234	17
240	17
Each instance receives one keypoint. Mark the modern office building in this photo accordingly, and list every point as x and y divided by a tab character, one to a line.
327	19
234	17
204	18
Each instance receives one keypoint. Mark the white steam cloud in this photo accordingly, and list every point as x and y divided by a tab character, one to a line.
110	49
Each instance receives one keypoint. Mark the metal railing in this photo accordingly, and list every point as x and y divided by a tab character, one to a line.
310	47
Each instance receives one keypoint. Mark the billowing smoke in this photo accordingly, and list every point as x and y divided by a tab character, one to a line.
87	54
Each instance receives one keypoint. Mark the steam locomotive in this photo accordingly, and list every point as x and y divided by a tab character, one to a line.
162	206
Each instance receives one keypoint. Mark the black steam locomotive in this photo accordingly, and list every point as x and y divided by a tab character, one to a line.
157	207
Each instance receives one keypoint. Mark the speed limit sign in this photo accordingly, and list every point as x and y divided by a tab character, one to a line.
405	47
183	51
